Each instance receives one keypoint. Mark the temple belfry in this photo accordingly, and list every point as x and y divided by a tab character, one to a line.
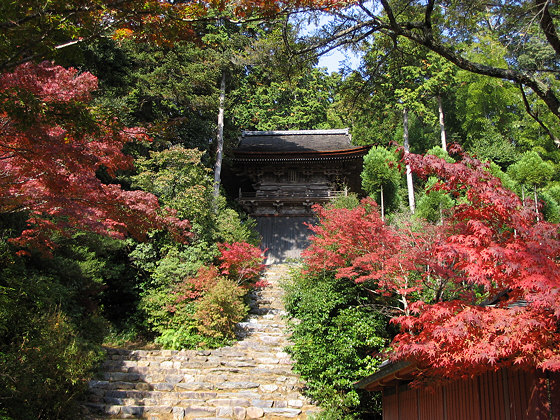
281	174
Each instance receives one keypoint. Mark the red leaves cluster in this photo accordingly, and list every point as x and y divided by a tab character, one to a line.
165	22
51	147
241	262
480	292
194	288
358	245
498	248
343	235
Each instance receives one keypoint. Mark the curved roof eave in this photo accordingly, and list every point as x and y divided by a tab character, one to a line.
301	155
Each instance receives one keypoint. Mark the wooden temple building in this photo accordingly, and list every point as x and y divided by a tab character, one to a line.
280	175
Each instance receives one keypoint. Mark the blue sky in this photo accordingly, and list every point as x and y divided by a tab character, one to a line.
333	60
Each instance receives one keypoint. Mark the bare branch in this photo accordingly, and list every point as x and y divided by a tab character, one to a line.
547	24
392	21
554	139
346	36
428	15
540	88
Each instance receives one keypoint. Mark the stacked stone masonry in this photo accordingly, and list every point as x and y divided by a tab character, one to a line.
252	379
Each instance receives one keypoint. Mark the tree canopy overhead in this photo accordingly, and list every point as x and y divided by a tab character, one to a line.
36	29
449	28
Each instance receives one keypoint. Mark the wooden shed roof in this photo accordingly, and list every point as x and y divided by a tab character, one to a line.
388	374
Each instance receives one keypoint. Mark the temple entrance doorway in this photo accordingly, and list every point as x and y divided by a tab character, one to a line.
284	237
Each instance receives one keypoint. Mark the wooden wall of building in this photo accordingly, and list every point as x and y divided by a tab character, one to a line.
502	395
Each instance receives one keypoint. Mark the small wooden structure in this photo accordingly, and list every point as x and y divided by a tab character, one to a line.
282	174
503	395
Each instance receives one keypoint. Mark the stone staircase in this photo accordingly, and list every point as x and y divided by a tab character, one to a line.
249	380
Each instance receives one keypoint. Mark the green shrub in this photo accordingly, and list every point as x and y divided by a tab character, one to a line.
432	205
50	330
220	309
333	413
44	371
168	308
350	201
155	307
232	227
550	207
186	337
334	339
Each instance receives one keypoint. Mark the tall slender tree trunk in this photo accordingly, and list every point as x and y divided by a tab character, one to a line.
442	124
382	204
536	202
220	137
409	182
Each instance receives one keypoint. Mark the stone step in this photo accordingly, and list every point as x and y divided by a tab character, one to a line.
250	379
263	385
195	412
252	350
218	401
114	371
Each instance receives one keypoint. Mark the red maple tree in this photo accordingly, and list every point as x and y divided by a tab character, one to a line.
357	245
480	292
241	262
52	144
497	249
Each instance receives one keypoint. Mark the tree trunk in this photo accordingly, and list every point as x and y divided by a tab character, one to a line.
409	183
536	202
220	137
382	205
442	124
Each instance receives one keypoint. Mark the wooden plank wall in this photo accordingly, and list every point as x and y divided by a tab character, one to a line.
430	404
390	407
284	236
461	400
502	395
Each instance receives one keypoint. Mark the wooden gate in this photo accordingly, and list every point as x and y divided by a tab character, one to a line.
284	236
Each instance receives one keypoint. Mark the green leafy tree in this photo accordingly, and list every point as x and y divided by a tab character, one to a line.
381	177
180	180
172	91
302	102
492	110
393	77
433	202
450	28
533	172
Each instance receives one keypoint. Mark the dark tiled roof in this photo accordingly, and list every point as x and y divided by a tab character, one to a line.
295	141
